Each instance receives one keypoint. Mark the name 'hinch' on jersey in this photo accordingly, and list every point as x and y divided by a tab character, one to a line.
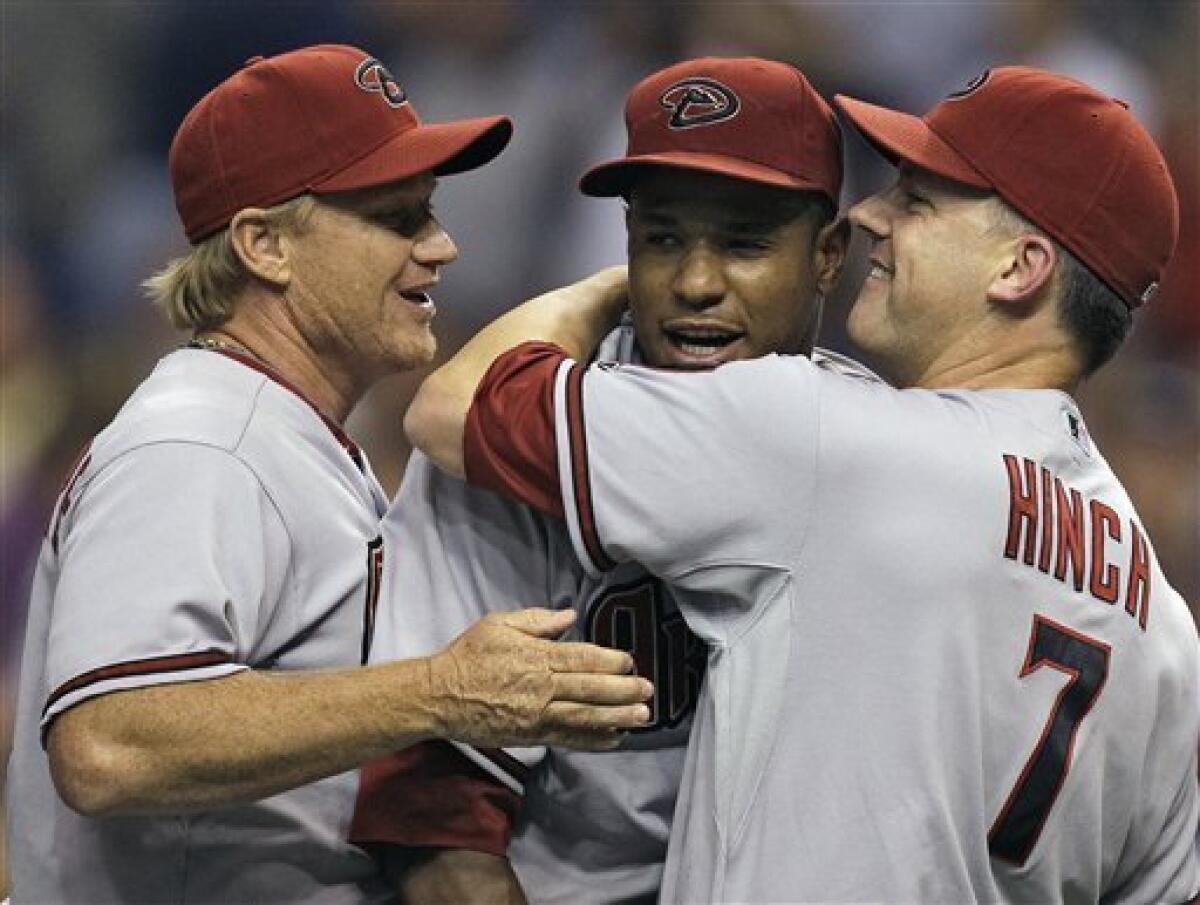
1074	532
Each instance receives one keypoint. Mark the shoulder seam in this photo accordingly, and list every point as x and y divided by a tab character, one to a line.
230	453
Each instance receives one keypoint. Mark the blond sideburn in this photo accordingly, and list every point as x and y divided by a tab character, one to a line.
198	290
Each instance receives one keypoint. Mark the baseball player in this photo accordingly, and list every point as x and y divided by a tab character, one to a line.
944	663
731	178
191	693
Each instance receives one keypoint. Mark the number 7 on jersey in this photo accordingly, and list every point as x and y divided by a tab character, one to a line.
1085	661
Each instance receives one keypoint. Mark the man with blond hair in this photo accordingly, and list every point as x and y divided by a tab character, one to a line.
192	696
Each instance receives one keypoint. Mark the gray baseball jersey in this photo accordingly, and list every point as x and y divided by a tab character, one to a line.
217	524
944	664
592	827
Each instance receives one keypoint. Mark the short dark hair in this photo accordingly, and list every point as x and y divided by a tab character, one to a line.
817	205
1096	318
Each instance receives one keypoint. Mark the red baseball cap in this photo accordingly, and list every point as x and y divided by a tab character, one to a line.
1074	161
328	118
747	118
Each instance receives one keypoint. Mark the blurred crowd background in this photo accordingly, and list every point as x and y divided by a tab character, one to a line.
91	93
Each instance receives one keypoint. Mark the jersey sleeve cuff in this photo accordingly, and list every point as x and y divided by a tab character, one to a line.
508	440
525	438
193	667
510	766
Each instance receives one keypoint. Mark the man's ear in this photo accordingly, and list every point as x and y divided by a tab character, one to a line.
261	247
1026	270
829	255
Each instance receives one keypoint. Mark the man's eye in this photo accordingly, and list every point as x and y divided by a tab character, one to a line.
407	222
913	198
660	239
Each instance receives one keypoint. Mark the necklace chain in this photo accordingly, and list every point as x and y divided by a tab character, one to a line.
212	344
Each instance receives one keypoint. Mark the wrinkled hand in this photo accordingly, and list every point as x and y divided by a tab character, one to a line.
505	681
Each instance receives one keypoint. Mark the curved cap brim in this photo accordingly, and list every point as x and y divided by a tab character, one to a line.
440	148
615	177
901	136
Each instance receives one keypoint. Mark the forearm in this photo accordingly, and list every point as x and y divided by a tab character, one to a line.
575	318
184	747
195	746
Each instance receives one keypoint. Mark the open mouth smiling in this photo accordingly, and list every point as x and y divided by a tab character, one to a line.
703	342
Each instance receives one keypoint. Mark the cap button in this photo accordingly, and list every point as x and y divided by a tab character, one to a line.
257	58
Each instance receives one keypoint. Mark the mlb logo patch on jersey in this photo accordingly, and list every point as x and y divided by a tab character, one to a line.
1078	430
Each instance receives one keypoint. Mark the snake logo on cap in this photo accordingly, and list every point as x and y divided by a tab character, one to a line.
371	75
699	102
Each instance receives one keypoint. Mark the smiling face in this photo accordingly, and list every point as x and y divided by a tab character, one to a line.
935	252
361	275
722	269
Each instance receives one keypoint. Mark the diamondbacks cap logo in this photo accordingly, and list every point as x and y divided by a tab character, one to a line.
699	102
972	86
371	75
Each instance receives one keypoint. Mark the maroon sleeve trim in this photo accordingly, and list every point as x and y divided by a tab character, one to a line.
580	477
506	762
145	667
509	444
433	795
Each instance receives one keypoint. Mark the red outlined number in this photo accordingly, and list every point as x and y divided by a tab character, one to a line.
1084	661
